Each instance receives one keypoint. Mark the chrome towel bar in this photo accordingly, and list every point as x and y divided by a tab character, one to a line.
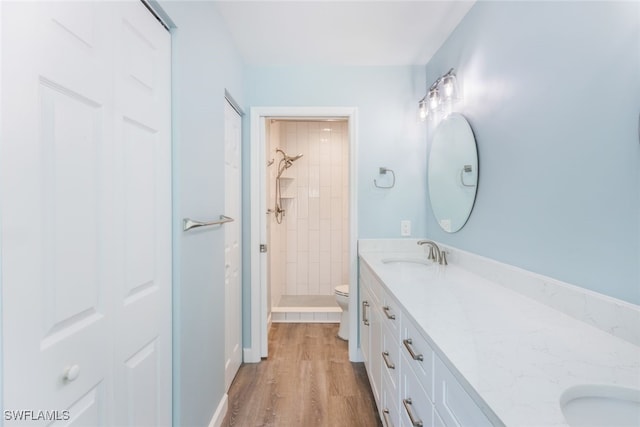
189	224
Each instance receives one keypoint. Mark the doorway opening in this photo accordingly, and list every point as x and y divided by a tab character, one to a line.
307	185
303	231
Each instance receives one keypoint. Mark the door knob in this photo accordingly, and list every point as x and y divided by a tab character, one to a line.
71	373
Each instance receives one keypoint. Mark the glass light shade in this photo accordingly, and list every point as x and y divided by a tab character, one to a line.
434	99
423	109
449	87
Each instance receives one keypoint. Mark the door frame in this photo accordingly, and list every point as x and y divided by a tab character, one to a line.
233	105
258	268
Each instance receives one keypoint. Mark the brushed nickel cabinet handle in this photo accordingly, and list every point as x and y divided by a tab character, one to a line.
385	356
407	344
385	414
407	406
386	310
365	320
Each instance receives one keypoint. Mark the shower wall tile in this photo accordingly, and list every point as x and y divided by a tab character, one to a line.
325	270
291	249
336	273
325	151
314	245
325	176
314	277
325	206
303	235
336	180
325	234
314	149
314	214
313	239
303	178
336	248
291	140
302	138
336	154
302	275
314	181
292	278
302	200
345	205
336	214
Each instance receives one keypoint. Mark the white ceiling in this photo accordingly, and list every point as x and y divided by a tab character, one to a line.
361	32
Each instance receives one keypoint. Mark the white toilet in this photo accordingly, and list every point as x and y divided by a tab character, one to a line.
342	297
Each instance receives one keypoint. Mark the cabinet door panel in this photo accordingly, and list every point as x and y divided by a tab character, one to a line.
453	403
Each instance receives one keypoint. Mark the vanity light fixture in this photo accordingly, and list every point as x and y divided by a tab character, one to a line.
432	101
423	109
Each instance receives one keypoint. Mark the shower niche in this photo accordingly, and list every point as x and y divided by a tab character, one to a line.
308	218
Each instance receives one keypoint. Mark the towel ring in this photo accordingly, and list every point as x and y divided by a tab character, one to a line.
383	171
467	169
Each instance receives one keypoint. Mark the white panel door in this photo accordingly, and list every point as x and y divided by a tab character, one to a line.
232	236
143	227
73	178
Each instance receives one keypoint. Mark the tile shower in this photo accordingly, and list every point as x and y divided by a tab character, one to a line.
308	249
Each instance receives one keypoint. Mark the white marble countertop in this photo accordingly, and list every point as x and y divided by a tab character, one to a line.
517	354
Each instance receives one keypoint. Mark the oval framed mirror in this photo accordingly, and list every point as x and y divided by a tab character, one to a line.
453	172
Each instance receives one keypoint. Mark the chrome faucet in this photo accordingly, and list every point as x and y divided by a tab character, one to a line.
435	253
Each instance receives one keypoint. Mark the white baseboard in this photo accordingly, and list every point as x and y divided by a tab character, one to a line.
249	355
221	411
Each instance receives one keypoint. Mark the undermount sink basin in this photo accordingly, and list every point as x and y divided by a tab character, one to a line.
420	261
410	268
600	405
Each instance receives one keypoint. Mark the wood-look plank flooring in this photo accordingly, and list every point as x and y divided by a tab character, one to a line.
306	381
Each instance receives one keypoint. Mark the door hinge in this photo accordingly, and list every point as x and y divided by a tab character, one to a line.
263	248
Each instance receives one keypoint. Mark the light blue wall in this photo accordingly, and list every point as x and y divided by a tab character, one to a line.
389	135
552	92
388	131
204	64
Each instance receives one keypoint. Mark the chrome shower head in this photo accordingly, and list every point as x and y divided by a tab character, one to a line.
287	158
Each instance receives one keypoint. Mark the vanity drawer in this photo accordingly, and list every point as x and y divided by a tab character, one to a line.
389	410
390	352
390	314
453	403
415	405
421	361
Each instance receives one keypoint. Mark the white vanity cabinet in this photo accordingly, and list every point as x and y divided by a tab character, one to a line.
379	337
411	384
370	335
